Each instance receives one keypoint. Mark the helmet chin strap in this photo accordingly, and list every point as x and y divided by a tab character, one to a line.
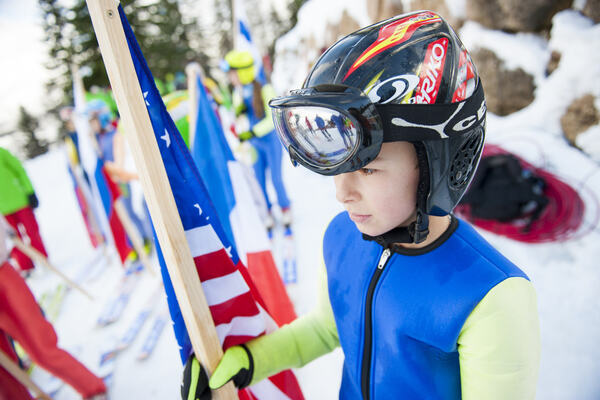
415	232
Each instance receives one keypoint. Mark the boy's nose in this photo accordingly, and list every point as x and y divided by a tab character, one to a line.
345	187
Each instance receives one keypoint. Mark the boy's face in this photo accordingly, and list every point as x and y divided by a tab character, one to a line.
383	194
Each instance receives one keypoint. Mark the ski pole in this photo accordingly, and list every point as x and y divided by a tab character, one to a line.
34	254
21	376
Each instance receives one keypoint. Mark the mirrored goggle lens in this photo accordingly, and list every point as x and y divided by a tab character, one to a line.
321	136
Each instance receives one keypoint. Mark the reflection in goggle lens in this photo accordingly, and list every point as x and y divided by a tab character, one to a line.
321	135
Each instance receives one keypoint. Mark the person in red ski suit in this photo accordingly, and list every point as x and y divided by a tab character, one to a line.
21	319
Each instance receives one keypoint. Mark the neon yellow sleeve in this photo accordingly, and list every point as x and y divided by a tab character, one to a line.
296	344
265	125
499	344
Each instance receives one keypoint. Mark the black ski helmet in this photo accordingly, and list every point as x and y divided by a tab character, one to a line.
416	58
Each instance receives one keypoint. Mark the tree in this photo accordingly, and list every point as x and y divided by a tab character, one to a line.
28	125
59	52
158	27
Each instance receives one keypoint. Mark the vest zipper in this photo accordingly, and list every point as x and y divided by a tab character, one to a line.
367	349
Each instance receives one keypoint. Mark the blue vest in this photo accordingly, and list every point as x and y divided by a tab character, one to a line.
418	306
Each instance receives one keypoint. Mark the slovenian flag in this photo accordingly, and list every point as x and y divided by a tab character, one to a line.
235	305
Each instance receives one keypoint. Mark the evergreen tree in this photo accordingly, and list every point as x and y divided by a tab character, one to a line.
281	26
224	25
28	125
158	27
84	47
59	52
162	34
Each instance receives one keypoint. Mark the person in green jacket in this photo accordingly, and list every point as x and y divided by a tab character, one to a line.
17	201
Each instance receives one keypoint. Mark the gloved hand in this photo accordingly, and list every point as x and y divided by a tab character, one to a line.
32	200
246	135
236	364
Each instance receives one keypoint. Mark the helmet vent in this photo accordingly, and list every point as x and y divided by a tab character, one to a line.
461	168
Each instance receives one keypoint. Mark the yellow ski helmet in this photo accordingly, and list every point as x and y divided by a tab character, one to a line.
242	62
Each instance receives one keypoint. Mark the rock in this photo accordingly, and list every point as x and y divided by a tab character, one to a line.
515	15
553	62
439	7
346	26
506	91
592	10
383	9
579	117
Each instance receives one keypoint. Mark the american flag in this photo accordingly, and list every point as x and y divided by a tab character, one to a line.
236	307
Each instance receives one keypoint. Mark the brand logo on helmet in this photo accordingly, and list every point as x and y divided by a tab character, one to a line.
460	126
402	84
393	34
465	80
431	74
471	119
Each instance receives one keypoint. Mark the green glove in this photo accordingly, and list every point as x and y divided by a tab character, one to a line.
246	135
195	381
236	364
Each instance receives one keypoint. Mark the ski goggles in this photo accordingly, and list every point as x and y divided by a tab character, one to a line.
333	129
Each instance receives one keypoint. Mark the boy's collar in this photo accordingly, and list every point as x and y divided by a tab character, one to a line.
416	232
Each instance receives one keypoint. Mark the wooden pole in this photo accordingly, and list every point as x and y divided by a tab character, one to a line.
133	234
21	376
35	255
157	191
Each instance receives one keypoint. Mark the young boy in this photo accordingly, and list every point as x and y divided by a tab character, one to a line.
423	307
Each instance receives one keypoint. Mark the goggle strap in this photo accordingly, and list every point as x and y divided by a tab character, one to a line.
420	122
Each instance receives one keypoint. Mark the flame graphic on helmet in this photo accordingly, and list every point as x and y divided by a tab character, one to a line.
392	35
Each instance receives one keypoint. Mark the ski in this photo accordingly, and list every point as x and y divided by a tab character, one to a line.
106	364
284	250
51	301
114	308
49	383
152	337
290	274
137	324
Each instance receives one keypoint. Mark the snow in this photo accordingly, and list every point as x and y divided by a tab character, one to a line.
522	50
565	275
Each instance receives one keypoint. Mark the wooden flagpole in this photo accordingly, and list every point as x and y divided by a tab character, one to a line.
157	191
21	376
34	254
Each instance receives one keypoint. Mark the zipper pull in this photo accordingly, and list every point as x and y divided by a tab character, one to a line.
384	257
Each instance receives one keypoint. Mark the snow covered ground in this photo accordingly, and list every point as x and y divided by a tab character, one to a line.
566	275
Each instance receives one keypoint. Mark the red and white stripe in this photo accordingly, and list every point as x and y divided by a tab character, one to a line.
237	314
